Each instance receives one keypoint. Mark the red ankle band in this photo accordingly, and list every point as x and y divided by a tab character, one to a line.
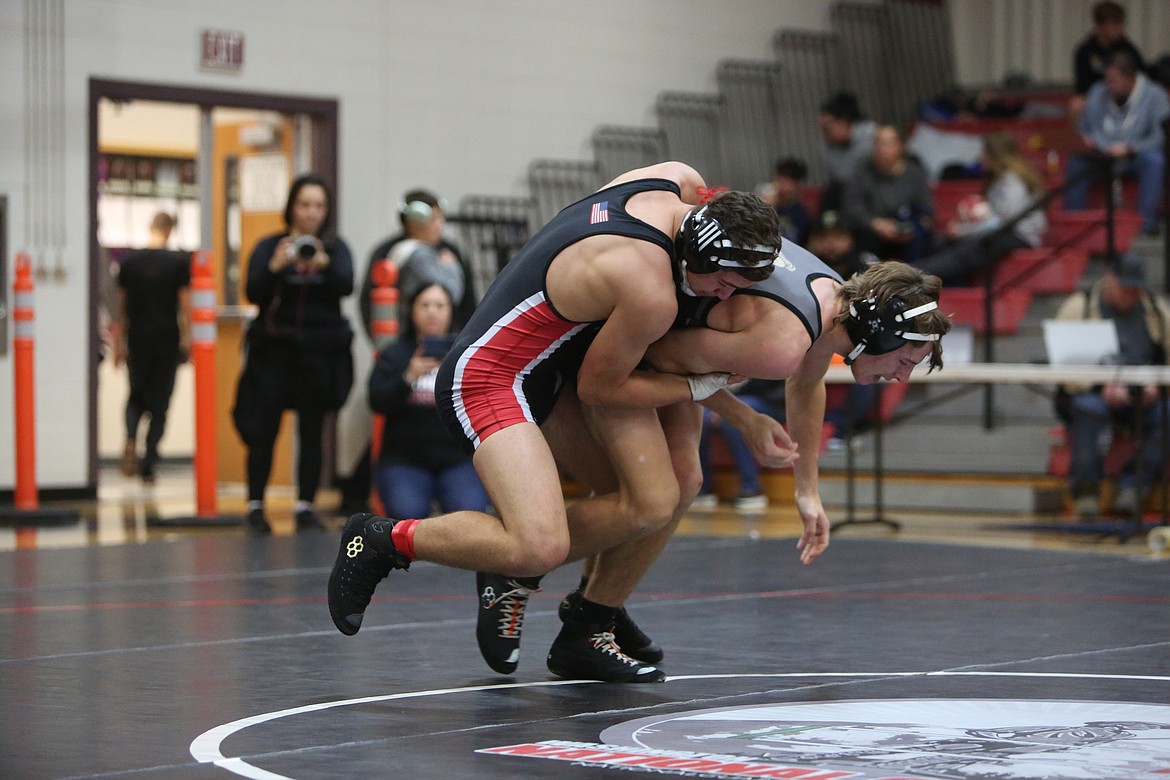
402	535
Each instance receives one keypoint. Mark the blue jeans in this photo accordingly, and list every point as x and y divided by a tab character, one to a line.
1147	167
1089	417
745	463
408	491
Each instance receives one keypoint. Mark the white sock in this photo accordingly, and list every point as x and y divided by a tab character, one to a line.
255	505
302	506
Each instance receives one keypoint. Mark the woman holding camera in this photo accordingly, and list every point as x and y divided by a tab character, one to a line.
297	350
420	461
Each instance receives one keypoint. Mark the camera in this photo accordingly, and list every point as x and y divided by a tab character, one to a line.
437	346
303	248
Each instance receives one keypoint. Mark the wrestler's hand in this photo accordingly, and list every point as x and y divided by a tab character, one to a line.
815	538
769	443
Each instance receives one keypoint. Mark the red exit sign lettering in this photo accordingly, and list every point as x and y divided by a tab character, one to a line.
221	50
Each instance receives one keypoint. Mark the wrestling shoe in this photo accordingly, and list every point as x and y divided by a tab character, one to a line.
257	523
502	601
366	556
595	655
307	520
629	637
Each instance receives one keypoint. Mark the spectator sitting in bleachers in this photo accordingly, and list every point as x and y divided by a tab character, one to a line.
975	239
833	243
1122	121
848	144
784	194
888	203
1093	53
1142	318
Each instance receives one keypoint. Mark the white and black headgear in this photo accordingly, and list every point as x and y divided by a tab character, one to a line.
877	330
704	247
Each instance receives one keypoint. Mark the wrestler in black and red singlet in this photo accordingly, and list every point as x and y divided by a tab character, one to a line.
509	363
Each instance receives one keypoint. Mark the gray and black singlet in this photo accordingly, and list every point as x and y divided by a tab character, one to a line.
790	285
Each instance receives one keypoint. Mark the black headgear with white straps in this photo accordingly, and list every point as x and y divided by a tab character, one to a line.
704	247
877	330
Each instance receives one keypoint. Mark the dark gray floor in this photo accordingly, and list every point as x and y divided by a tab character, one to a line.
139	661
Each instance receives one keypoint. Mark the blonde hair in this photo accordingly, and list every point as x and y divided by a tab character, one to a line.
1001	151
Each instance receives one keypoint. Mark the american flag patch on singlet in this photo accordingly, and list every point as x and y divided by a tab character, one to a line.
599	212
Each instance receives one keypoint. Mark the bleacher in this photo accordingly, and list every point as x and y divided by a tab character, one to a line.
899	52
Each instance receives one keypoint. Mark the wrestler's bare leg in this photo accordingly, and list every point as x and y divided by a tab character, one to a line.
617	571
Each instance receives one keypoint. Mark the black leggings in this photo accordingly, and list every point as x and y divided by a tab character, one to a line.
310	428
152	381
957	263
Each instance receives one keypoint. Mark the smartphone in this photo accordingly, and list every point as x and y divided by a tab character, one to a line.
437	346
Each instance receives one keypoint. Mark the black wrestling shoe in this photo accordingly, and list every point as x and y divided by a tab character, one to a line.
366	556
502	601
594	655
257	523
631	639
307	520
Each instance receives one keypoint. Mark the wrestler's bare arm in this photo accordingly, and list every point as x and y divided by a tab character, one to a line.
689	181
768	344
769	443
804	401
643	310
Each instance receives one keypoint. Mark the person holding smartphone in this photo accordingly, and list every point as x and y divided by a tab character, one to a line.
888	202
420	462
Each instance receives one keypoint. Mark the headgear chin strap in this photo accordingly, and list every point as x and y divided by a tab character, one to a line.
704	247
877	331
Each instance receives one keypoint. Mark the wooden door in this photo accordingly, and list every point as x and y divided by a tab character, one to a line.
231	153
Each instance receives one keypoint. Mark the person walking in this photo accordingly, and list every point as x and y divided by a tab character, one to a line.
155	333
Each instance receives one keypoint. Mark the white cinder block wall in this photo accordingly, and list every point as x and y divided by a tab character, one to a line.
458	95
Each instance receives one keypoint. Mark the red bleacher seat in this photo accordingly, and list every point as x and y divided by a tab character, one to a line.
892	395
948	193
1121	450
964	305
1044	271
1086	229
811	198
1129	194
1031	134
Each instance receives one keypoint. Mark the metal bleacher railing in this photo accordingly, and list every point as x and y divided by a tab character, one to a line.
748	141
492	229
890	54
621	149
690	122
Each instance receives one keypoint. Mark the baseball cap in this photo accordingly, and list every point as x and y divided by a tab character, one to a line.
1130	269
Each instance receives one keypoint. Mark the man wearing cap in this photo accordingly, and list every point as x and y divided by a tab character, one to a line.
422	245
1142	318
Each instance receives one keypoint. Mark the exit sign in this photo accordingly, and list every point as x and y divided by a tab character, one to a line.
221	50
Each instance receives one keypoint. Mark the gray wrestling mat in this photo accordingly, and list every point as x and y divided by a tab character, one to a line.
214	657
